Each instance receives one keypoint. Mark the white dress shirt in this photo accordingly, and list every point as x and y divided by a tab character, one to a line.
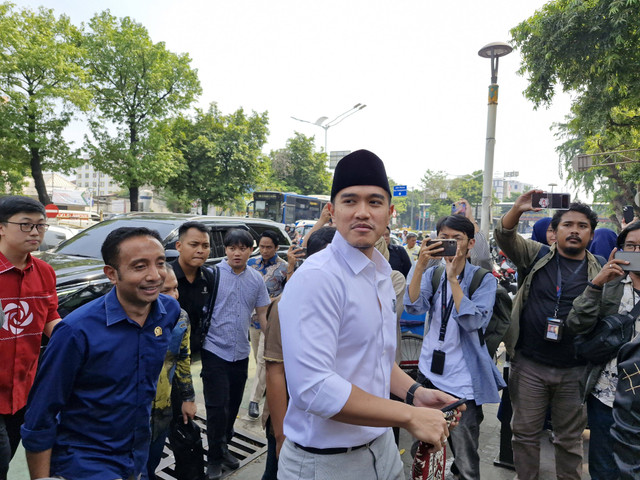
338	322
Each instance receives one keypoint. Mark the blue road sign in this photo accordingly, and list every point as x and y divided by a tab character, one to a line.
399	190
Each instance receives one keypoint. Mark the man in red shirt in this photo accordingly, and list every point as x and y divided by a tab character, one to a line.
29	301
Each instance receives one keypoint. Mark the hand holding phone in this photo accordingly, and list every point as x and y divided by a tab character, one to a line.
632	257
449	245
454	405
451	410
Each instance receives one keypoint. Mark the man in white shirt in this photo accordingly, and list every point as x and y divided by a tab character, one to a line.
339	338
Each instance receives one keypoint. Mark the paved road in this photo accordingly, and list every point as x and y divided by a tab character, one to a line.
489	444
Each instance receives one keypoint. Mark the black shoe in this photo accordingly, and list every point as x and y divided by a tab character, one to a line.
230	461
214	471
254	410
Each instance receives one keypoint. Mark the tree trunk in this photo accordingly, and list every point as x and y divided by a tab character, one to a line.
133	189
133	198
36	166
205	207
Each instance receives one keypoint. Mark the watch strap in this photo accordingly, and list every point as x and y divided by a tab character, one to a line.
411	392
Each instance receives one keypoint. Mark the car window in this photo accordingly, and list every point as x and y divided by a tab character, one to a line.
217	236
88	242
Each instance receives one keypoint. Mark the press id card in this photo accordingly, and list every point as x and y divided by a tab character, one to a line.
553	331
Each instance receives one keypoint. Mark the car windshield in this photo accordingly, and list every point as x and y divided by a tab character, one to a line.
88	242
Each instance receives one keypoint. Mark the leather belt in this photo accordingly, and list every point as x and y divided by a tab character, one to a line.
333	451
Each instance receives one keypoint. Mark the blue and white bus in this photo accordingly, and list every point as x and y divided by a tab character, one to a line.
286	207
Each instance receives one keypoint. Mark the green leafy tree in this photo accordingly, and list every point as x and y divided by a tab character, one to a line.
40	88
177	202
222	154
300	168
468	187
135	82
590	49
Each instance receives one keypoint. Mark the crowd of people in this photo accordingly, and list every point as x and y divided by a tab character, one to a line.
116	373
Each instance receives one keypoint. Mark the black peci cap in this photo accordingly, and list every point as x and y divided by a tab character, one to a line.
361	167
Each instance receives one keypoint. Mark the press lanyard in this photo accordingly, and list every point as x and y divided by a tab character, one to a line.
446	307
559	281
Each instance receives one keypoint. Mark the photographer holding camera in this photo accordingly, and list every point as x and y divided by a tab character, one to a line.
544	371
453	358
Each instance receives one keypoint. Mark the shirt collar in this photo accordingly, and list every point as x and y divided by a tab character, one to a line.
177	269
224	265
268	263
6	265
115	312
357	260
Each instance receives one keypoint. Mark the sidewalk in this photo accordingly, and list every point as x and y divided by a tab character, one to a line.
489	443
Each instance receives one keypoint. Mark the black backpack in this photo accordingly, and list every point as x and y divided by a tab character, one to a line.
603	342
186	445
501	316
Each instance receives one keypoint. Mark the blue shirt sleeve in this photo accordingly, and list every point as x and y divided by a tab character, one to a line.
423	302
475	312
53	385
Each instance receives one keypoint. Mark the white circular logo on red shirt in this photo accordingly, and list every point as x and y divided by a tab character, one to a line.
17	316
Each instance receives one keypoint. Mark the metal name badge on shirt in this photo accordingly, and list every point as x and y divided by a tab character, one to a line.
2	319
394	305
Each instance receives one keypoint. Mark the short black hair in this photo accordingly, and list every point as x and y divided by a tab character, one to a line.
319	239
12	204
237	236
576	207
111	245
186	226
623	234
271	235
458	223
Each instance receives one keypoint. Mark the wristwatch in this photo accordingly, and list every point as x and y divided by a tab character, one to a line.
411	392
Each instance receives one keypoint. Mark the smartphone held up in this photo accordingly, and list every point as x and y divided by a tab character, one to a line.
556	201
632	257
450	247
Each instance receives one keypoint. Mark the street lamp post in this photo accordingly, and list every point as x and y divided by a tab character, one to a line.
326	126
493	51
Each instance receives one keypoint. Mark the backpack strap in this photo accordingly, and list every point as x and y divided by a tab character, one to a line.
524	273
635	311
213	279
478	277
600	259
435	280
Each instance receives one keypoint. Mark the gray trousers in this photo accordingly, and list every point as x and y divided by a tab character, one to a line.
534	387
380	461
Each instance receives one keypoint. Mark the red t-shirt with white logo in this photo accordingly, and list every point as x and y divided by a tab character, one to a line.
29	301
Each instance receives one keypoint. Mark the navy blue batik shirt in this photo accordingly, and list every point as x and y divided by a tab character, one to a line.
91	399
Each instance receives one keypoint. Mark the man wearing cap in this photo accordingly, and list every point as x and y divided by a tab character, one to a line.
339	341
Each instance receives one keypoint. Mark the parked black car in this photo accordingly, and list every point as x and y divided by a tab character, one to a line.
78	261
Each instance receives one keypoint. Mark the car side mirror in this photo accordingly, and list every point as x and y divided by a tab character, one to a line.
171	254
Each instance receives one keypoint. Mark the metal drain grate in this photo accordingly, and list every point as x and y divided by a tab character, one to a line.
245	446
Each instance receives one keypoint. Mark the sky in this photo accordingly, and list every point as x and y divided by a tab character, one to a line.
414	64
